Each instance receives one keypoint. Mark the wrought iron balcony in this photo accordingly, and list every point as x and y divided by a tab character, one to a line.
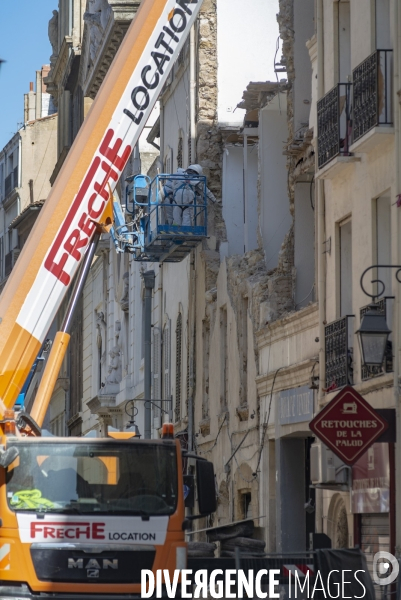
11	181
373	104
334	123
387	366
8	184
339	353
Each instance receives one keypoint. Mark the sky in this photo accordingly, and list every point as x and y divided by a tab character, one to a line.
25	46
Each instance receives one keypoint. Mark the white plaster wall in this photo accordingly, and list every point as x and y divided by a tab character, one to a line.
304	250
355	193
275	218
362	30
175	118
246	46
172	296
233	198
304	28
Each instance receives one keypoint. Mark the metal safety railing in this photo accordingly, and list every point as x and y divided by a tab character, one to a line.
168	215
339	353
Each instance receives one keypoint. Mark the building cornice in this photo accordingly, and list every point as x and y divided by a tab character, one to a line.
121	14
291	325
287	377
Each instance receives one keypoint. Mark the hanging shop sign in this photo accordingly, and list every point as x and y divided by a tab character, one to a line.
295	405
348	425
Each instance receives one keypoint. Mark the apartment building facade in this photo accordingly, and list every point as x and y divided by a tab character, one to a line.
26	163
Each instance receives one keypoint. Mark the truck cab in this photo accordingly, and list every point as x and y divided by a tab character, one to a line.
85	515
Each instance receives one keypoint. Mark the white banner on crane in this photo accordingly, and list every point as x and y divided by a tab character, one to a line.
141	93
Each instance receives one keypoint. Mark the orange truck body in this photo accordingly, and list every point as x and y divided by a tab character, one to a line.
17	566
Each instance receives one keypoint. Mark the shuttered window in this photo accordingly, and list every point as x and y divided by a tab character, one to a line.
156	377
167	363
178	367
179	153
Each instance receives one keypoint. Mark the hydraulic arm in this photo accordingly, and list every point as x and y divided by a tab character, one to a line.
66	224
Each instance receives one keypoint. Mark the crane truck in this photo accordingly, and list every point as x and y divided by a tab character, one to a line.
80	517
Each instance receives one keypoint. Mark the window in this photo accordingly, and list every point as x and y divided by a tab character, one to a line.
57	426
168	161
178	367
1	257
244	352
189	150
156	364
143	328
166	364
206	351
179	154
383	33
344	41
87	478
345	235
223	358
383	241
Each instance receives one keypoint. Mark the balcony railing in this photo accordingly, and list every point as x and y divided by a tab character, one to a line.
11	181
10	260
339	353
334	123
387	366
8	184
373	104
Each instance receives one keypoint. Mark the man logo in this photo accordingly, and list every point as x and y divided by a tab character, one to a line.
93	573
93	566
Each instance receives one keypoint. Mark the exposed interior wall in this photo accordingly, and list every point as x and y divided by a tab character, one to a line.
275	217
233	198
304	244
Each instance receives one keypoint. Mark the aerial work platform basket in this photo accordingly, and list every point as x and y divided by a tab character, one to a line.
169	216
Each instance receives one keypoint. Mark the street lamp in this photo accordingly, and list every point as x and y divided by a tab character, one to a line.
373	335
131	426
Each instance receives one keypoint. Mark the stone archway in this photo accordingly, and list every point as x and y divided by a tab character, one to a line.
337	522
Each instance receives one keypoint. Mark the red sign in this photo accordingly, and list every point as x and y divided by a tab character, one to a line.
348	425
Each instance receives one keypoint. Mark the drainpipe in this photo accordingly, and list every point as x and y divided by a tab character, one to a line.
161	136
19	162
149	281
245	176
397	305
192	312
70	21
321	258
192	90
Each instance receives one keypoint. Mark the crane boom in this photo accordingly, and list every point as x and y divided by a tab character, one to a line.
65	226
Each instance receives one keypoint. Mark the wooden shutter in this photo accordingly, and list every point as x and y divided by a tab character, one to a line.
156	377
178	368
167	364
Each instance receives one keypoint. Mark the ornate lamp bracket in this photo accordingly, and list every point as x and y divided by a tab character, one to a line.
381	288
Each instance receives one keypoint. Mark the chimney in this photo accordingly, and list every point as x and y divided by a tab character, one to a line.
31	112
